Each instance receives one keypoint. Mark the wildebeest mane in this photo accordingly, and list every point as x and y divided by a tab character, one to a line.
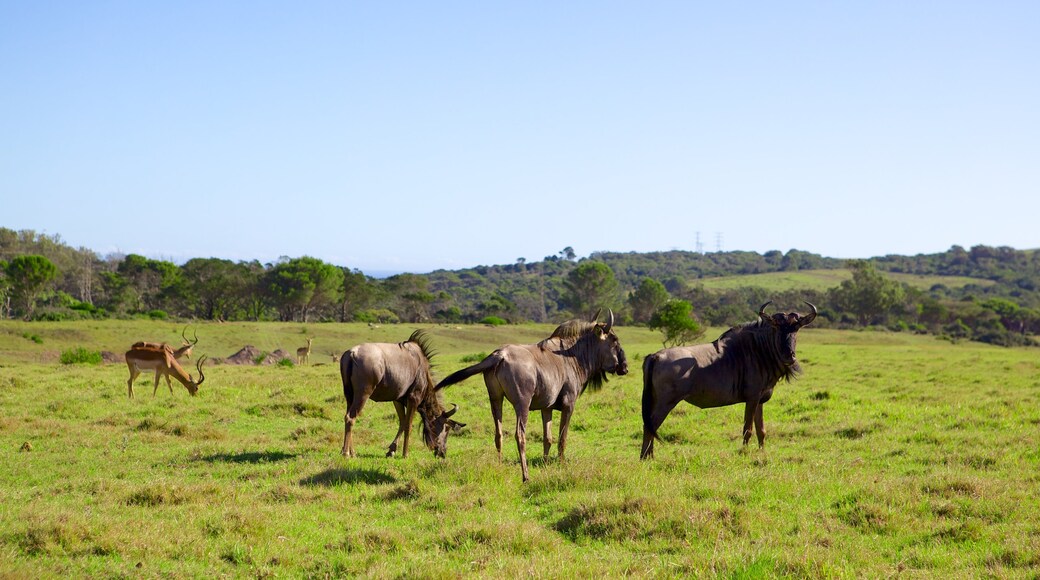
422	340
570	335
760	342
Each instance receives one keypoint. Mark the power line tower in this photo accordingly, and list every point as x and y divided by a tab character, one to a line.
700	245
718	242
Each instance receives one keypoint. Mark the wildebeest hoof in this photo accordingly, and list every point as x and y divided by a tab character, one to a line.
391	453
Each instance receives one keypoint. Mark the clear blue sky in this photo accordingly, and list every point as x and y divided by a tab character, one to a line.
412	136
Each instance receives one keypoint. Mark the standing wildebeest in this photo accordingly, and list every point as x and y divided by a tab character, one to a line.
547	376
741	366
398	372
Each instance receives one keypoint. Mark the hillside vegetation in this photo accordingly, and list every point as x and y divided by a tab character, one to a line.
985	294
893	454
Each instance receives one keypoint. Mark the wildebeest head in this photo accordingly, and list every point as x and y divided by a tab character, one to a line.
787	326
612	355
437	423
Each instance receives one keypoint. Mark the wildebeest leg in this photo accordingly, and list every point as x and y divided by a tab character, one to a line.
661	410
409	416
521	436
760	427
547	433
399	407
348	425
749	414
565	424
496	415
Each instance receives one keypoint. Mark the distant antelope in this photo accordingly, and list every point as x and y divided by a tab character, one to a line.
160	360
335	357
303	354
182	352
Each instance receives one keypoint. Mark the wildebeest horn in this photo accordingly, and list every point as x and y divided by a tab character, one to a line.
610	320
807	321
454	408
762	314
595	316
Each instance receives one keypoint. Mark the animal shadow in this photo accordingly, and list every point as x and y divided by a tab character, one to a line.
249	457
339	476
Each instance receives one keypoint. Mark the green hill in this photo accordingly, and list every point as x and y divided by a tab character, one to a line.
822	280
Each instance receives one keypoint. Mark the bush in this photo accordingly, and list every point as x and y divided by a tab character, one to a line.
80	355
493	321
472	358
286	362
158	315
381	316
33	337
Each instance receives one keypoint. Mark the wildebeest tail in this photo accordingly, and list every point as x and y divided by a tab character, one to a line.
648	395
346	368
461	375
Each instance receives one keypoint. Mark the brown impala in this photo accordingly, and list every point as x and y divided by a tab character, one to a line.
162	361
183	352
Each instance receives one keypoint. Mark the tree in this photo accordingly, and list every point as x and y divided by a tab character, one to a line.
675	320
28	277
647	298
300	285
358	293
869	296
591	286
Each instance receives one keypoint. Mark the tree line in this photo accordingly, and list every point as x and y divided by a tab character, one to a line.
42	278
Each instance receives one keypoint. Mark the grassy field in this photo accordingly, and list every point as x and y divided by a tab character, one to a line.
825	279
893	454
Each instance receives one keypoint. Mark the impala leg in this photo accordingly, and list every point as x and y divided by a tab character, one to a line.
760	427
130	383
168	385
749	415
547	433
496	415
521	437
399	407
156	388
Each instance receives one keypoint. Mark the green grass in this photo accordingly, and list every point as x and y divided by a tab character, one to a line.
825	279
893	454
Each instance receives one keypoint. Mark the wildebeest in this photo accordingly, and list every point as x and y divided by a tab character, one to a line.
741	366
547	376
398	372
162	361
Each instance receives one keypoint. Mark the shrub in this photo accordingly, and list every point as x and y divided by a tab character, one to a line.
158	315
472	358
80	355
33	337
381	316
286	362
493	321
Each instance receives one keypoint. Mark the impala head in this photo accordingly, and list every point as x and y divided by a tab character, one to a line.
187	345
193	385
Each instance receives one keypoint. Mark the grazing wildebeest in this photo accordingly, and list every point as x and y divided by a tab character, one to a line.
398	372
183	352
162	361
547	376
741	366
